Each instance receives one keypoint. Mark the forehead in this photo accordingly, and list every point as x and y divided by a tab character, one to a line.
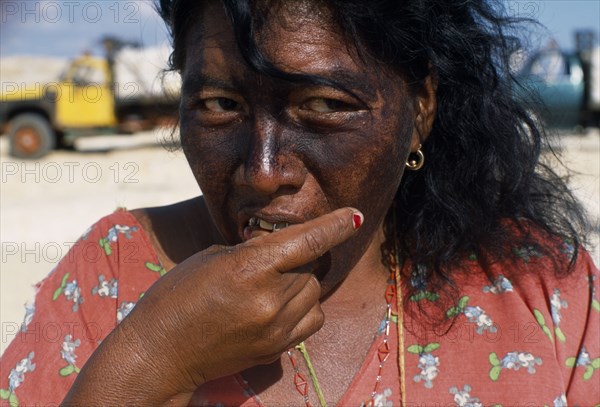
298	37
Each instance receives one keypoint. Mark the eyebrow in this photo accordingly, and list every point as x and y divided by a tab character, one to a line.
341	79
200	80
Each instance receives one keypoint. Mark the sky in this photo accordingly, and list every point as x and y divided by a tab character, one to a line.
68	28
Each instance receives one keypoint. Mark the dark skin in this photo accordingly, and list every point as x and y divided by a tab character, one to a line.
309	155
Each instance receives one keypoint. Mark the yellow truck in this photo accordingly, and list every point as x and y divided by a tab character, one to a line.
87	99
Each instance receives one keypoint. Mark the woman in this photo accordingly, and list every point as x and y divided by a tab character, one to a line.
375	228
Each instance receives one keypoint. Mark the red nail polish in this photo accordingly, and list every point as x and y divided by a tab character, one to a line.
357	220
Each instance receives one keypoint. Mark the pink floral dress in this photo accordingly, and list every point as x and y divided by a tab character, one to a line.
519	338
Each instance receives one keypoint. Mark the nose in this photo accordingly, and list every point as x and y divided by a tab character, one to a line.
271	166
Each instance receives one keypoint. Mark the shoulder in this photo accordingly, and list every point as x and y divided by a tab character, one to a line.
522	324
179	230
548	290
536	265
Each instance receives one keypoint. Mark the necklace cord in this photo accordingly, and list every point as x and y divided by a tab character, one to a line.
400	326
399	308
311	370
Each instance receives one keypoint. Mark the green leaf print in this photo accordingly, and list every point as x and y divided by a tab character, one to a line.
596	304
596	363
105	244
12	400
431	347
4	394
559	334
570	362
589	372
548	333
156	268
416	349
539	317
429	296
59	290
452	312
57	293
495	372
456	310
493	358
67	370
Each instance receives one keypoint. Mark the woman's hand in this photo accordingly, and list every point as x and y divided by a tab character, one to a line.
221	311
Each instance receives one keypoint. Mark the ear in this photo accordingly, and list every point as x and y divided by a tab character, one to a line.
425	111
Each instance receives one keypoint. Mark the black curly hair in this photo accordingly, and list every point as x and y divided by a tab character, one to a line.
483	187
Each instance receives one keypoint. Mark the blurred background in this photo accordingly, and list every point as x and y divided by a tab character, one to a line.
87	109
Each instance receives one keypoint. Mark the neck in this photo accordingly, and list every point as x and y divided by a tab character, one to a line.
367	278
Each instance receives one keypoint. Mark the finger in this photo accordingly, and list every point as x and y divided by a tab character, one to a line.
284	328
308	325
299	244
301	303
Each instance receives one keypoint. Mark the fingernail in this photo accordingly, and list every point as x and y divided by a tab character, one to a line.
357	219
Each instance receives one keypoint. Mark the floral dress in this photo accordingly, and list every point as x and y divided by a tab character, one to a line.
520	338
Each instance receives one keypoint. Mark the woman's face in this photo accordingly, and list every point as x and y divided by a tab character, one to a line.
262	148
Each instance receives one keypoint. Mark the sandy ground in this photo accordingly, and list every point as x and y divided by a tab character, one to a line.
46	205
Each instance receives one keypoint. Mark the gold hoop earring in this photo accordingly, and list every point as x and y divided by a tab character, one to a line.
416	164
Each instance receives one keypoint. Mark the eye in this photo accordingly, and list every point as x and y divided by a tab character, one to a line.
325	105
220	104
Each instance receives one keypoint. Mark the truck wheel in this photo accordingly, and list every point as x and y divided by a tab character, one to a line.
30	136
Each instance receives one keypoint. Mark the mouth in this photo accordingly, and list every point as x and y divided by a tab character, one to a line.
257	226
266	225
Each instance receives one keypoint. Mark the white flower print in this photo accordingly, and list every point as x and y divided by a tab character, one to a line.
381	399
113	235
500	285
560	401
16	377
68	349
478	316
463	398
513	361
106	288
556	304
429	369
68	354
428	363
124	310
73	293
29	312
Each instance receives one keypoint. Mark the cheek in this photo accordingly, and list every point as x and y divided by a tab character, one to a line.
213	157
364	168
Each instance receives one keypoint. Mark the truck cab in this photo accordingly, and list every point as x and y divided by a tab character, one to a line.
118	93
40	116
84	95
557	81
563	88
